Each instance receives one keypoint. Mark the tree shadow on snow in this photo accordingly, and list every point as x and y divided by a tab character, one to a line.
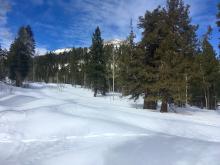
166	150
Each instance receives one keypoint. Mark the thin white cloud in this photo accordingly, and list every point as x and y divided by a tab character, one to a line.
79	18
113	16
5	33
41	51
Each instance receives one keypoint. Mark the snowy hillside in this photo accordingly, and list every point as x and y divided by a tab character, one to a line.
115	42
58	51
55	125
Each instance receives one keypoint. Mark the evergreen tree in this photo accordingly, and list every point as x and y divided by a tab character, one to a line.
20	54
110	57
153	24
1	64
139	72
218	20
51	68
97	64
3	58
126	52
208	72
123	68
30	41
160	66
74	62
86	62
176	53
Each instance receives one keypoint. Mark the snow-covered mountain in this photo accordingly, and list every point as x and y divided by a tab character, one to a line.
115	42
62	50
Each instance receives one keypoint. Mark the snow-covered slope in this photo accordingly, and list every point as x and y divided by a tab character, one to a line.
58	51
115	42
52	125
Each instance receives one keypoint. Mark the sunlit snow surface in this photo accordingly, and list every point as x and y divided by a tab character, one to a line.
56	125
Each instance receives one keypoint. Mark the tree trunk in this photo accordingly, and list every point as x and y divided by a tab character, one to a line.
18	83
206	101
164	108
212	98
186	102
149	104
18	80
95	92
103	93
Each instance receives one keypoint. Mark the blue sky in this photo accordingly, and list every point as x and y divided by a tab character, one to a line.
67	23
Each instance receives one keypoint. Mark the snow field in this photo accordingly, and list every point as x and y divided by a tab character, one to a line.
44	125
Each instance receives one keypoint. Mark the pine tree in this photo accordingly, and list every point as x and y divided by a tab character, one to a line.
3	68
170	83
176	53
208	72
123	61
110	57
1	64
20	54
139	71
30	41
153	24
97	64
160	66
126	52
74	62
86	62
138	68
218	21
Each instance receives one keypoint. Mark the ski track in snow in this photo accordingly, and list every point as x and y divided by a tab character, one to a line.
44	125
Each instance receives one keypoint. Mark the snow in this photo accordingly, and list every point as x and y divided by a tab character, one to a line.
115	42
62	50
47	124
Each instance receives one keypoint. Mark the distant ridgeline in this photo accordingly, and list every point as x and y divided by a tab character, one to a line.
71	65
114	42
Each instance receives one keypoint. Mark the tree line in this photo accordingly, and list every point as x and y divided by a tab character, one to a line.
170	63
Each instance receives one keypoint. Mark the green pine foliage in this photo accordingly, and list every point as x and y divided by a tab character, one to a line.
218	19
3	63
159	63
183	35
67	67
109	52
97	65
47	68
123	68
208	73
125	59
175	52
21	51
153	24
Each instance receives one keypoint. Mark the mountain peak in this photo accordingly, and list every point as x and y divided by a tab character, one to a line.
115	42
62	50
